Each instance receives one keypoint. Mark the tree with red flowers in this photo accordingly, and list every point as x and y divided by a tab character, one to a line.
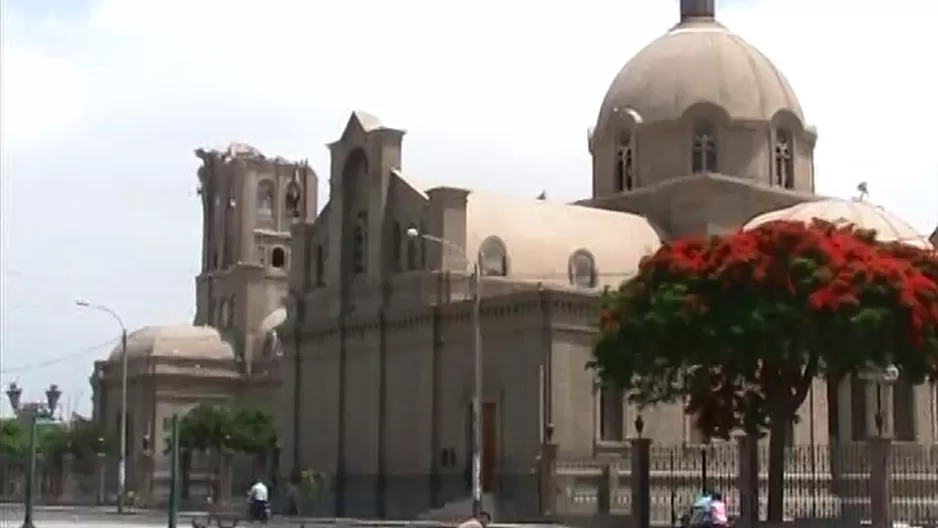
738	326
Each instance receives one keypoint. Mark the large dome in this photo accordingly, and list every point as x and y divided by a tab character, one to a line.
888	227
189	342
700	61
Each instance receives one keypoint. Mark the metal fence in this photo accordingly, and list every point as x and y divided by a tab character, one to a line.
819	482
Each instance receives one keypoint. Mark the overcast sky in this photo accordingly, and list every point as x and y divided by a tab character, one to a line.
104	101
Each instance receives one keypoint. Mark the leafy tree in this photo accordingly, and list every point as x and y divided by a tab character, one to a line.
738	326
14	440
87	439
206	427
254	431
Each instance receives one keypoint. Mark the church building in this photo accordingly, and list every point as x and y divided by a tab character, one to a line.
371	372
698	134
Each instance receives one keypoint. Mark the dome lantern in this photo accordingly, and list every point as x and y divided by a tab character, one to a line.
697	9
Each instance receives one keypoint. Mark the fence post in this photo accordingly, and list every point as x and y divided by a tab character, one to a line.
880	453
748	479
547	479
641	482
67	491
100	470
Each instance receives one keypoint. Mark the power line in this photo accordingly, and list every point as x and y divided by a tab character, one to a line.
59	359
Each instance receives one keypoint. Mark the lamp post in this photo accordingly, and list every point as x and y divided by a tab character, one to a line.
888	375
35	413
476	283
122	456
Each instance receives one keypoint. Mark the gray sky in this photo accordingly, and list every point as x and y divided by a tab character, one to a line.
104	101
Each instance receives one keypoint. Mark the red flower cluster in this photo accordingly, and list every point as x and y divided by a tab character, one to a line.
832	266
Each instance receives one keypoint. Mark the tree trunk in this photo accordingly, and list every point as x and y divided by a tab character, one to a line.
777	436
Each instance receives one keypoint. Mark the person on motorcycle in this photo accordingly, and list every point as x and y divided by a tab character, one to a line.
718	515
260	505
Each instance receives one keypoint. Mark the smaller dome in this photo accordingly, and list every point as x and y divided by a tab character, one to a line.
189	342
888	227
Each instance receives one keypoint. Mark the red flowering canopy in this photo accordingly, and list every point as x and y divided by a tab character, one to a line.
738	325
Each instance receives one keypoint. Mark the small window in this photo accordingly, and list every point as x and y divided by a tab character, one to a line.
229	323
262	255
278	258
320	265
397	243
224	312
582	270
784	163
360	243
265	198
293	200
625	166
704	149
493	257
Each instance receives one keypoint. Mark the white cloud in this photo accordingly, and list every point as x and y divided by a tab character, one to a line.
102	108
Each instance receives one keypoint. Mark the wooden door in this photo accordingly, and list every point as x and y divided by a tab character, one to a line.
489	445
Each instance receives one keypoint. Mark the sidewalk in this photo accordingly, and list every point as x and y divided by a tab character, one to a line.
108	516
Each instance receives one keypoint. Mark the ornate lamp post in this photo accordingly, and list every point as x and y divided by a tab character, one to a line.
14	394
35	413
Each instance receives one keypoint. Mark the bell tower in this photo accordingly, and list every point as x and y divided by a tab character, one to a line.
249	203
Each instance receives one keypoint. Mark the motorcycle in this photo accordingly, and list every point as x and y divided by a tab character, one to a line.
259	512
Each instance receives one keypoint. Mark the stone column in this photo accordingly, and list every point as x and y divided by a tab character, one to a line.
748	479
880	456
641	482
547	480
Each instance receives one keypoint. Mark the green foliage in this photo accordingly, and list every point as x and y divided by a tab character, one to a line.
14	440
255	431
211	427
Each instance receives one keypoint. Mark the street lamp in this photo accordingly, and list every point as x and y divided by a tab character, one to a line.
476	283
35	413
122	456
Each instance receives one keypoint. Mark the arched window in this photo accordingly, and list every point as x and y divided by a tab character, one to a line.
278	258
582	269
265	198
704	148
625	164
784	163
493	258
293	200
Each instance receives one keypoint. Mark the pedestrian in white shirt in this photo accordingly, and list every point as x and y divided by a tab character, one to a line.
259	501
